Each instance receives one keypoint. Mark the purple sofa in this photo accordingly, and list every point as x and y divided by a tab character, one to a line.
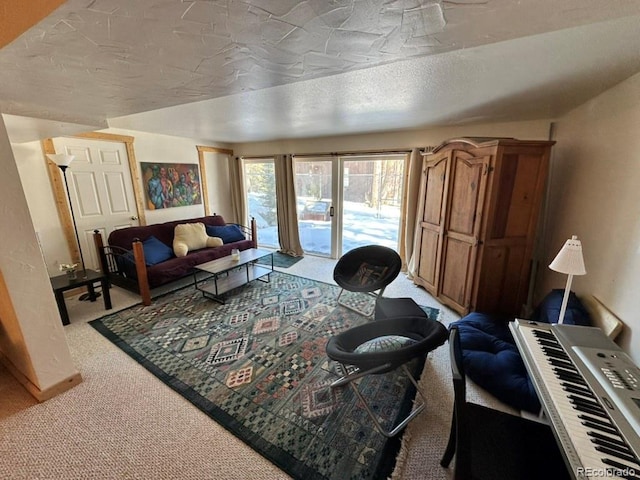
123	258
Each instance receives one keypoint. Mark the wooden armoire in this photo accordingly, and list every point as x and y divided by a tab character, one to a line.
478	210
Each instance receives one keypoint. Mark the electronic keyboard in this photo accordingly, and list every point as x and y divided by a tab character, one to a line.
590	391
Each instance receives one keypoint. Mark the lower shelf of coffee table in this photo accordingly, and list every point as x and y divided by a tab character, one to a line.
218	284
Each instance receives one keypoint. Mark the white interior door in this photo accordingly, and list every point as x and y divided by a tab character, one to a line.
101	190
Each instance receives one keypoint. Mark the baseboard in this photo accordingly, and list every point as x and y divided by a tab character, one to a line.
36	392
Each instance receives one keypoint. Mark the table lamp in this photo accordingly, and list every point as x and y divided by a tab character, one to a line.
570	262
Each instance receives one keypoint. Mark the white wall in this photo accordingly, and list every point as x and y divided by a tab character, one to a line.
595	194
33	341
168	149
219	188
31	165
533	130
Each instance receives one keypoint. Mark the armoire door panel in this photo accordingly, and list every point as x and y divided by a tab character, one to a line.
502	285
517	196
454	283
428	261
433	204
435	173
466	194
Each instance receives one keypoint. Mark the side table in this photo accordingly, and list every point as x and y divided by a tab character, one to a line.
61	284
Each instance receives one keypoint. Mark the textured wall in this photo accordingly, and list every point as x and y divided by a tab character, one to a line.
594	194
35	344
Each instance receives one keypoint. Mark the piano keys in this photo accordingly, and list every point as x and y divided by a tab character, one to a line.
589	389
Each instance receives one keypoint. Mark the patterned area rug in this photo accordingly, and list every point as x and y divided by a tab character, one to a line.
281	260
257	365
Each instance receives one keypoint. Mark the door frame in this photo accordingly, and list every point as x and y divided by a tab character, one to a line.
202	149
60	195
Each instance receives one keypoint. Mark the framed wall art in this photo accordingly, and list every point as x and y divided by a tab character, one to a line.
169	185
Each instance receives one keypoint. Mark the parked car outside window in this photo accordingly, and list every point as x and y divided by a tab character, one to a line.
318	210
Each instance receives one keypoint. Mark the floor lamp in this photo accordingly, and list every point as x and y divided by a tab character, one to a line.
63	161
570	262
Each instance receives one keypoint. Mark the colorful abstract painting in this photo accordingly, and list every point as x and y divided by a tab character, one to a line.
168	185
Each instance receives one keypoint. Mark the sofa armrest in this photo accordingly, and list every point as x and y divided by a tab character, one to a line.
254	232
141	272
108	257
250	232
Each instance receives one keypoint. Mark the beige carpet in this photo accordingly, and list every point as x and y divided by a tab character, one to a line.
122	422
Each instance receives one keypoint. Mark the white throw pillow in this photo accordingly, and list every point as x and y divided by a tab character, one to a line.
192	236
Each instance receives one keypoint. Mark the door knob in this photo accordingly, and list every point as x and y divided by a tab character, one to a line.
133	217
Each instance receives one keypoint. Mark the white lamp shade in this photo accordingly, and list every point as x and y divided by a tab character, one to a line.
61	159
569	259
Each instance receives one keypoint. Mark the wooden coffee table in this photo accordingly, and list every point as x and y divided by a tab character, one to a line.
227	273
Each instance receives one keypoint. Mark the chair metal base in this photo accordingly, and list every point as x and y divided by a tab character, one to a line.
350	377
361	311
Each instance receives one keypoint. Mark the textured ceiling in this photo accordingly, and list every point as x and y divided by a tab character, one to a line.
258	70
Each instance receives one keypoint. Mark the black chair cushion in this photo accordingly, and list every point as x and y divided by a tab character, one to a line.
368	268
397	307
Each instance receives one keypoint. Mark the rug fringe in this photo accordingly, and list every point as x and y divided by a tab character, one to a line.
403	453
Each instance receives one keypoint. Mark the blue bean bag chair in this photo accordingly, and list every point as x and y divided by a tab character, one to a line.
549	309
491	358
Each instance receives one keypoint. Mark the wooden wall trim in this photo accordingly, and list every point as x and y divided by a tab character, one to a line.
41	395
203	171
110	137
19	16
203	148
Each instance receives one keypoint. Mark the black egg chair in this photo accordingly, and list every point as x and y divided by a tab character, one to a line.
381	346
369	269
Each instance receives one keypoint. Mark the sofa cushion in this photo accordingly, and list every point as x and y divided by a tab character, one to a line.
192	236
124	237
176	268
155	251
492	360
228	233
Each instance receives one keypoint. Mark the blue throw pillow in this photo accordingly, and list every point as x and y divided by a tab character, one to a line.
228	233
155	251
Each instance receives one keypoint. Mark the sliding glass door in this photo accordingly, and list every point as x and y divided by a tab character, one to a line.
260	188
348	202
315	199
371	201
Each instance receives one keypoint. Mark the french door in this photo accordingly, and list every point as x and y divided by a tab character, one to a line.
348	202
